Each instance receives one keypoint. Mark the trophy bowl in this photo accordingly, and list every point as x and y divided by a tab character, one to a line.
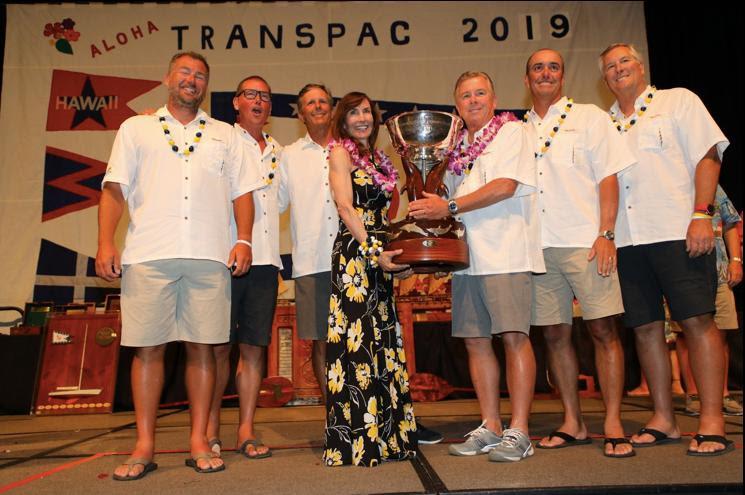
424	140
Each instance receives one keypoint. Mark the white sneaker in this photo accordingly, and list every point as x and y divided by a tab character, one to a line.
515	446
479	441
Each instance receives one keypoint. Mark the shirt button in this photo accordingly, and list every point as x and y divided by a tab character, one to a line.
327	183
627	187
540	173
186	197
543	211
186	218
186	178
629	207
541	191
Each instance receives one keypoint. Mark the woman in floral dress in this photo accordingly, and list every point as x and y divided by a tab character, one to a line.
369	414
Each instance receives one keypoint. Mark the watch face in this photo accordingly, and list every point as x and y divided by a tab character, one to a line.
452	206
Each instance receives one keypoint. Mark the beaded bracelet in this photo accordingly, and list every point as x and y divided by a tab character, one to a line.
371	249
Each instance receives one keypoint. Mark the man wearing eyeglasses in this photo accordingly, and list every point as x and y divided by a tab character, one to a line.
666	241
180	174
577	154
254	295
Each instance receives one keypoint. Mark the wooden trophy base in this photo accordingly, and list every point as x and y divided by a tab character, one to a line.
431	254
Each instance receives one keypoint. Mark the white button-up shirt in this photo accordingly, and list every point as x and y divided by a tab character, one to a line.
314	222
586	149
503	237
265	233
668	140
179	205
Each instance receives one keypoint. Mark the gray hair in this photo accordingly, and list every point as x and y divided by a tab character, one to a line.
632	51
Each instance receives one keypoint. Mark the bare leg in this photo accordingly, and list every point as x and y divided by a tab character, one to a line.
655	362
520	363
725	345
200	385
562	360
319	366
675	369
706	355
609	363
222	374
147	385
484	368
248	381
681	348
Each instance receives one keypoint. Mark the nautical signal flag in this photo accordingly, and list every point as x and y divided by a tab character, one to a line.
63	276
89	102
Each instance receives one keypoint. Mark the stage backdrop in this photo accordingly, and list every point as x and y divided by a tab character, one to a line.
73	73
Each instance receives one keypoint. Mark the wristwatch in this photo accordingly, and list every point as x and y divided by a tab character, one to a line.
706	209
453	207
608	234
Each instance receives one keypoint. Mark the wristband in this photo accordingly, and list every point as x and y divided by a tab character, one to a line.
735	258
371	249
700	216
243	241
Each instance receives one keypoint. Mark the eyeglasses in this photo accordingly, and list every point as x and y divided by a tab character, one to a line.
251	94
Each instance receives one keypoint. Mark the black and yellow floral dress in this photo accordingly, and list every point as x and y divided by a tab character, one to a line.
369	414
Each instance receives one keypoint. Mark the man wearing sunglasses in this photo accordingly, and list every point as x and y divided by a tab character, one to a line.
254	295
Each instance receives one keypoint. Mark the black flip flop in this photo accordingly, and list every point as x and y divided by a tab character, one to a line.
192	463
148	465
256	444
729	445
569	441
660	438
615	442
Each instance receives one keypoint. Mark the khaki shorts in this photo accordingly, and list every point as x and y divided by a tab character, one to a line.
312	295
726	315
175	300
568	275
486	305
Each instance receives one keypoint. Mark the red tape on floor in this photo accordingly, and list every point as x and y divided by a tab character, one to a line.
52	471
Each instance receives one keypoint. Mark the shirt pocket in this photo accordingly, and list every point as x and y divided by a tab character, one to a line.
214	156
655	133
568	149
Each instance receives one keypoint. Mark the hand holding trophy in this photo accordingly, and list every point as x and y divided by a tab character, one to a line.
424	140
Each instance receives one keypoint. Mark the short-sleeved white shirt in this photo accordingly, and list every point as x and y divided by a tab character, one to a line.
265	233
668	140
503	237
586	149
314	222
179	205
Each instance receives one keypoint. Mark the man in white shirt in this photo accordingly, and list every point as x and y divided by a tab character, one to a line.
578	153
254	295
304	183
494	197
179	172
666	242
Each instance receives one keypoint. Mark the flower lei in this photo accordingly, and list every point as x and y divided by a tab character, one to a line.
639	113
383	175
461	161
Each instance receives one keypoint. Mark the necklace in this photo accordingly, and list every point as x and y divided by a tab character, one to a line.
270	175
555	129
637	116
461	160
174	147
383	175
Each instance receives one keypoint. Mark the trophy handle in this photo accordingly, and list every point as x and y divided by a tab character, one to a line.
434	183
414	183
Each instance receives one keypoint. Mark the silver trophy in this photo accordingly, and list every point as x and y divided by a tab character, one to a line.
424	140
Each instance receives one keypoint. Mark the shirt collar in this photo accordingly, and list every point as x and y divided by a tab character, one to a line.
270	143
308	141
554	109
615	109
163	112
